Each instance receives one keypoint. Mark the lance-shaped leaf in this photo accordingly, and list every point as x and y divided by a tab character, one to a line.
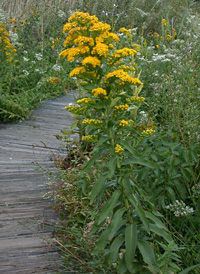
139	161
187	270
102	242
148	255
94	158
98	187
109	206
161	232
114	249
116	222
140	211
130	243
112	166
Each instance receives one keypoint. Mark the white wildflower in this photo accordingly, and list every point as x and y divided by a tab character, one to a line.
38	56
61	14
56	67
25	59
26	72
179	208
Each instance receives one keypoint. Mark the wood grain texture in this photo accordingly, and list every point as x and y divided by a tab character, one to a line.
26	218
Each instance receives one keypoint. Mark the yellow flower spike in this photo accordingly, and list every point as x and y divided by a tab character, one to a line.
99	91
100	49
93	61
125	31
118	149
84	101
100	27
92	122
89	138
75	109
164	22
123	123
83	40
55	81
121	108
77	71
168	36
148	132
124	77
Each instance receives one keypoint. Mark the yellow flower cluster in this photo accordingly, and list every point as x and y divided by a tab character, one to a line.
124	52
124	77
100	49
118	148
126	68
89	138
71	53
83	17
55	81
99	91
100	27
135	98
68	26
125	31
90	60
92	122
137	47
84	40
148	132
77	71
121	108
74	109
164	22
107	37
123	123
169	37
85	101
5	45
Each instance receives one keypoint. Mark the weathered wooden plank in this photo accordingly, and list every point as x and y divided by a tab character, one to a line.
26	217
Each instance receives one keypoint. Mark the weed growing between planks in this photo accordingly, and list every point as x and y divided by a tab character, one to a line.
129	229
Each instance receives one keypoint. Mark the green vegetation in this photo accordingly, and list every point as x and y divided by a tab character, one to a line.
129	195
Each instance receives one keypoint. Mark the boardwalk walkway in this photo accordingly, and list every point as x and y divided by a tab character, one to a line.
25	216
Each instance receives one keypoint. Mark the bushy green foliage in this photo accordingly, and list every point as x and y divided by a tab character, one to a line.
140	183
27	79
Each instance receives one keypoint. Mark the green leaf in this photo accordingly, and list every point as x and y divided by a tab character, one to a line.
130	243
112	166
130	148
185	271
74	124
127	185
116	222
88	86
66	132
139	161
94	158
102	242
140	211
114	249
157	222
121	269
147	254
109	206
161	232
114	101
98	187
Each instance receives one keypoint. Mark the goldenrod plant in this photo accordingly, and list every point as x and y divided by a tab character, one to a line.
135	237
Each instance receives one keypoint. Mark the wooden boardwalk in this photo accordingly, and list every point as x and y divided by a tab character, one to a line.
26	218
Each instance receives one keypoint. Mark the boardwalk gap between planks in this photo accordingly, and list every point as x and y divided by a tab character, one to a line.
26	218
